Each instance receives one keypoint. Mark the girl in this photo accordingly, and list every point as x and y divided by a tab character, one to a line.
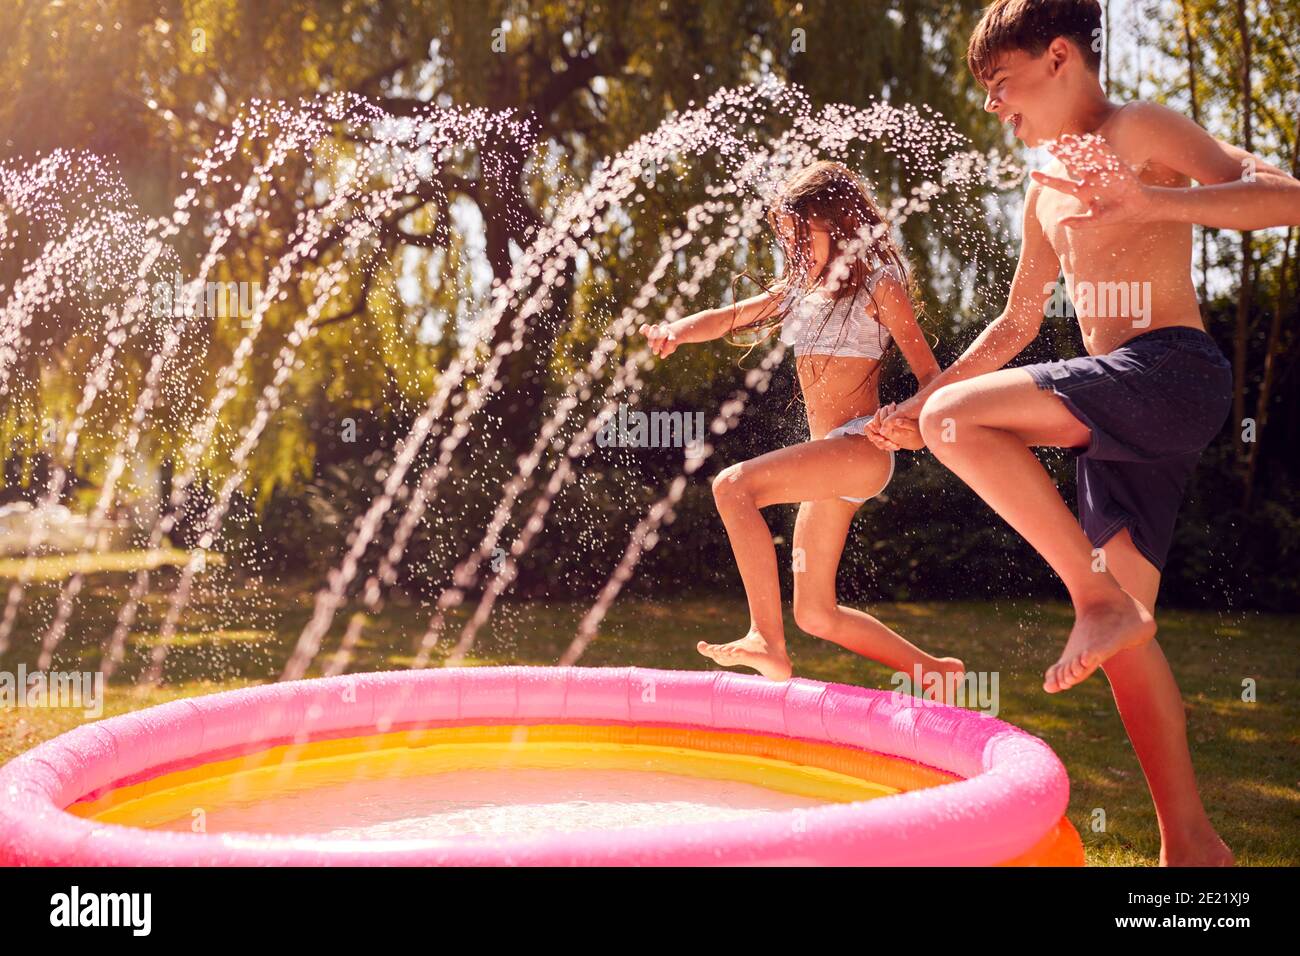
839	311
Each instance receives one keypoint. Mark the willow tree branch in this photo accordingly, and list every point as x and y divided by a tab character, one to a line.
367	279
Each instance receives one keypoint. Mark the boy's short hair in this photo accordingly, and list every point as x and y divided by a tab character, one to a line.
1030	25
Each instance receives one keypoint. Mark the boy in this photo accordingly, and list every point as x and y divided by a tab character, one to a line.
1114	212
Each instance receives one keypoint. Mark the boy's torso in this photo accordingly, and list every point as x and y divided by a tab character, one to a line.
1127	279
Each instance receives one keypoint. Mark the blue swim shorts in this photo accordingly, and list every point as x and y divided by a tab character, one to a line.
1152	405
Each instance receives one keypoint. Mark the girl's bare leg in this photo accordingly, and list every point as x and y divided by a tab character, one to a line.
806	472
819	535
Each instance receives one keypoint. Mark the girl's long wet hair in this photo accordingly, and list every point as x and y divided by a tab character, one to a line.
830	194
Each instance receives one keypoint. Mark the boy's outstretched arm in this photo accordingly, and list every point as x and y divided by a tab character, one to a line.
1002	339
1238	190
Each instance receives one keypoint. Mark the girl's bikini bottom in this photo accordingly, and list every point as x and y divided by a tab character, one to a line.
858	426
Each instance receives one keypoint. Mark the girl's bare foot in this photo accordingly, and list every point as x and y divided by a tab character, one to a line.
953	670
1100	632
936	681
752	650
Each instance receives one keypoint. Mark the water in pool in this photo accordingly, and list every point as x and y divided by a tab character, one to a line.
485	802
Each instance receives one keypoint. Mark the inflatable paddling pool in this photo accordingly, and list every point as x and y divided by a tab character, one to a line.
540	766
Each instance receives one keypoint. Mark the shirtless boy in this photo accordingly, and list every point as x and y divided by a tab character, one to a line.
1114	212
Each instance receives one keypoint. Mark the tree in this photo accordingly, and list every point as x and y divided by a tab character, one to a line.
587	78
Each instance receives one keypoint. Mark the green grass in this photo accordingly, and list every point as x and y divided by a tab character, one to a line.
56	567
1246	754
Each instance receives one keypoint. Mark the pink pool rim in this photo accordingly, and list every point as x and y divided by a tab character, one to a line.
1011	794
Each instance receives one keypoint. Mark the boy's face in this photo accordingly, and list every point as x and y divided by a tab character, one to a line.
1023	91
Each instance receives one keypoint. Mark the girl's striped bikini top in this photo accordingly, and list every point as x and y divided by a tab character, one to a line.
847	332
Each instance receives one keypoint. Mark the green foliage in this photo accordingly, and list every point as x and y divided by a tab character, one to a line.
154	83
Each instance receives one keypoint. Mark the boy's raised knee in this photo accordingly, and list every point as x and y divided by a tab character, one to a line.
938	421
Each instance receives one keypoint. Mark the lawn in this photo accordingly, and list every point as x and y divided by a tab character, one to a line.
1246	754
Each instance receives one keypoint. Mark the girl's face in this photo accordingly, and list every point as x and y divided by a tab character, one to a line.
819	241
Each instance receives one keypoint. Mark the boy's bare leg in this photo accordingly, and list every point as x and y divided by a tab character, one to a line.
982	429
1152	710
819	535
804	472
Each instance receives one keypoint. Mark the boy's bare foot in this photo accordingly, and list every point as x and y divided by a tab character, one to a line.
1100	632
752	650
1208	851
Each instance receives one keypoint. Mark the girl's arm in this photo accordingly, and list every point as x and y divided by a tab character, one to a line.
711	323
895	312
1002	339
